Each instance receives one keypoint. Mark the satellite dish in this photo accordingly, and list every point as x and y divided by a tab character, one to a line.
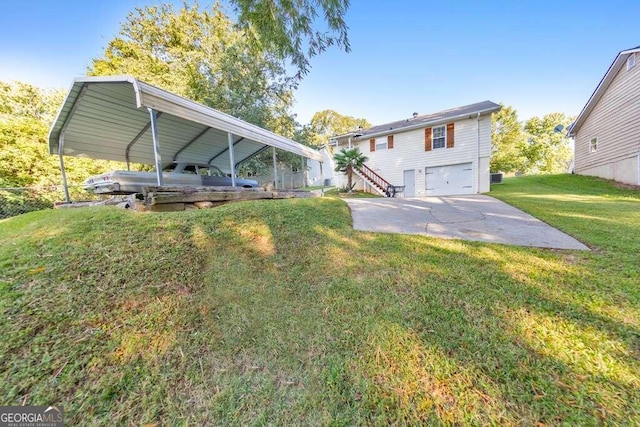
558	129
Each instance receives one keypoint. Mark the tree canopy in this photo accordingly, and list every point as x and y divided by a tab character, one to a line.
507	142
327	123
535	146
292	29
201	55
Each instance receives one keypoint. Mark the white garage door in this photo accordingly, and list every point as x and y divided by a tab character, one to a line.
450	180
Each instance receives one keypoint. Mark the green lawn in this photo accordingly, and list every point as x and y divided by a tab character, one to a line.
277	312
338	192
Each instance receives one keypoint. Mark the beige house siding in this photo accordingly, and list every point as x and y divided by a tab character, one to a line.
615	121
409	154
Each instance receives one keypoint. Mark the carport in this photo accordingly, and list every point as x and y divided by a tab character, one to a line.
123	119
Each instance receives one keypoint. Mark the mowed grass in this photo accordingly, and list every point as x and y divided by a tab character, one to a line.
277	312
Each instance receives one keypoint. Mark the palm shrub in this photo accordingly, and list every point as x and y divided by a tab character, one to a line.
348	159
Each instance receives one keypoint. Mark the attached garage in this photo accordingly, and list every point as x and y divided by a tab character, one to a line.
449	180
444	153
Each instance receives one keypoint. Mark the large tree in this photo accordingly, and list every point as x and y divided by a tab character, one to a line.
201	55
327	123
295	30
508	142
548	149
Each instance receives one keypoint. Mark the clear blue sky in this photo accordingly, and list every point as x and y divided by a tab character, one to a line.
424	56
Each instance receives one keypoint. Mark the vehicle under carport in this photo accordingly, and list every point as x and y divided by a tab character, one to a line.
123	119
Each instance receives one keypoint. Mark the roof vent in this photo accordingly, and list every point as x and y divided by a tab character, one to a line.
415	114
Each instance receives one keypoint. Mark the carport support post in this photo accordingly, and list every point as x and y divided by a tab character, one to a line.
275	170
64	173
156	144
321	180
232	162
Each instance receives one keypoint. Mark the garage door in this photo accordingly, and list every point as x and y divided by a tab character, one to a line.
450	180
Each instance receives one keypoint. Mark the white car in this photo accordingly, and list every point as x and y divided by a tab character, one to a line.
174	175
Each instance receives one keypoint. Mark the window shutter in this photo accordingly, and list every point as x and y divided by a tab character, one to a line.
372	144
390	142
427	139
450	141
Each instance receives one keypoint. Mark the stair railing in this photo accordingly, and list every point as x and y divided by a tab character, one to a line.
376	179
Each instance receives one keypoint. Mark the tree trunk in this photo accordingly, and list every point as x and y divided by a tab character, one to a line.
349	176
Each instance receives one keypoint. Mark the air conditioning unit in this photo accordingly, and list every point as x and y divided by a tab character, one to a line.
496	178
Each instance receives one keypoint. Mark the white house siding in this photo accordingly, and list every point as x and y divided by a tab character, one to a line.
319	175
615	121
409	154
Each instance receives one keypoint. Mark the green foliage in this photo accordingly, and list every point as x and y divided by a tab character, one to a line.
328	123
290	29
200	55
348	159
533	147
548	151
508	142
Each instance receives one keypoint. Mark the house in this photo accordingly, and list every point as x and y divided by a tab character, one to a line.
607	131
445	153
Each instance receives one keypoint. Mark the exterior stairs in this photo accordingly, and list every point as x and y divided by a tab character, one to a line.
378	183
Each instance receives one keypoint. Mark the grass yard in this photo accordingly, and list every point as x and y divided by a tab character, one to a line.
277	312
357	194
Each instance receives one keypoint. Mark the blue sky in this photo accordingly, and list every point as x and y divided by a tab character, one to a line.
422	56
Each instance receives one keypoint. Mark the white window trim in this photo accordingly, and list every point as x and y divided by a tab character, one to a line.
433	138
631	61
381	143
593	147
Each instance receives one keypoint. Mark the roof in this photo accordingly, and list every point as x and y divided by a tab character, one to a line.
611	73
466	111
108	118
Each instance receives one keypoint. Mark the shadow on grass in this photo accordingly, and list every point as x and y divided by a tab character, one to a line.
278	312
468	329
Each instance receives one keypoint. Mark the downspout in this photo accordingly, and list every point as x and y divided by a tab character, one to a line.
478	154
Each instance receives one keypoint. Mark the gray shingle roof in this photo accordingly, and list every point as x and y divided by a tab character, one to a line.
429	119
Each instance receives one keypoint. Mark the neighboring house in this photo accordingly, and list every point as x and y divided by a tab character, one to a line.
607	131
445	153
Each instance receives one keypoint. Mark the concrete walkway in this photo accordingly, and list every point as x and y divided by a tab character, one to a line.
473	217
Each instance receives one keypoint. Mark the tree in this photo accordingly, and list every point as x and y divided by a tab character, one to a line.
327	123
201	56
548	149
348	159
288	28
508	142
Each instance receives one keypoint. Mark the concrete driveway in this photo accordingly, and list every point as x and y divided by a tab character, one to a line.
473	217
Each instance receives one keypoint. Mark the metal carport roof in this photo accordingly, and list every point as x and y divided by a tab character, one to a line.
111	118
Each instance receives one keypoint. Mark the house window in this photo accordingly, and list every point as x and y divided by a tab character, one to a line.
593	145
381	143
439	137
631	61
